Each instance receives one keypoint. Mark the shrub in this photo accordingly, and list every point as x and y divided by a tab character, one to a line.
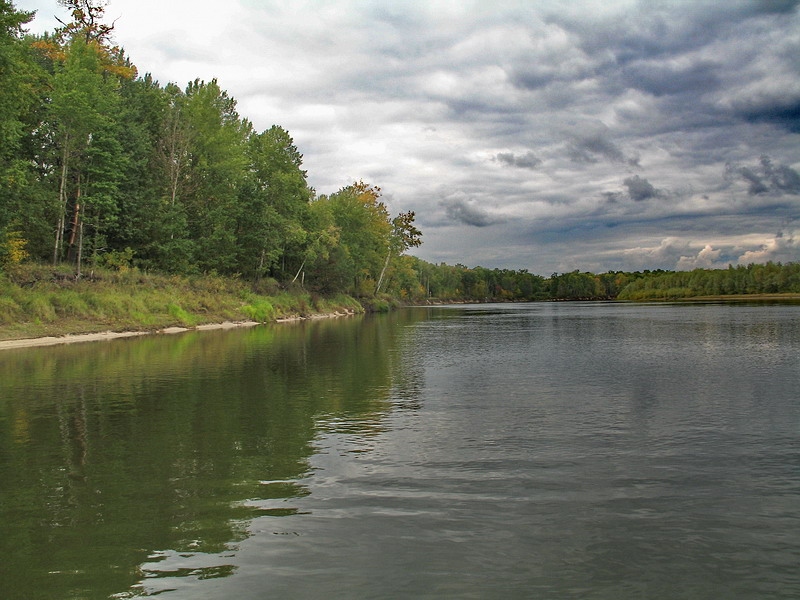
12	249
260	310
119	260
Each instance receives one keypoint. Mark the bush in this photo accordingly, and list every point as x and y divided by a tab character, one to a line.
12	249
118	260
260	310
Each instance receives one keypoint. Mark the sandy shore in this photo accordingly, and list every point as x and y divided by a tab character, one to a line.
113	335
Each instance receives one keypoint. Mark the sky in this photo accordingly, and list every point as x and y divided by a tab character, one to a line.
542	135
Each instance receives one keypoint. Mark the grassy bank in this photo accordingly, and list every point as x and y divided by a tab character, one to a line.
37	301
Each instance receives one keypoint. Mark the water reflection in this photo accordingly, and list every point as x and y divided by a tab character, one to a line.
145	460
554	450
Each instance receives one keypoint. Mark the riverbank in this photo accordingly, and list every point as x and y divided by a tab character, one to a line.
40	306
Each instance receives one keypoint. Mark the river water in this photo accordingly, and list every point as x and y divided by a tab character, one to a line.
570	450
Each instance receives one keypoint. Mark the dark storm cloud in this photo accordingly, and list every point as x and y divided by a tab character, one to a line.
651	30
755	183
526	161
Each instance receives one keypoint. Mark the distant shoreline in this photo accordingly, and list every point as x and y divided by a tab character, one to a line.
739	298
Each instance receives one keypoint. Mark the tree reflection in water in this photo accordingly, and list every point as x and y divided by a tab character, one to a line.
141	459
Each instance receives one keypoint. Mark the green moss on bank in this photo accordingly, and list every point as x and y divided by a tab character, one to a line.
37	300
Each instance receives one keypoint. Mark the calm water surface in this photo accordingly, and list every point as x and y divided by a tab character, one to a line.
495	451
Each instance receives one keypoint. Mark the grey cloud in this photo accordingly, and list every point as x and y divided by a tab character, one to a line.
530	79
734	56
767	178
666	79
648	29
591	141
755	182
784	112
640	189
526	161
468	212
776	6
785	179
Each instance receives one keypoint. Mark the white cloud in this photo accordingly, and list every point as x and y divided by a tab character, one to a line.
782	248
705	259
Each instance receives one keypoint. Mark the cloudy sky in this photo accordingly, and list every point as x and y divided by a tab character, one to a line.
542	135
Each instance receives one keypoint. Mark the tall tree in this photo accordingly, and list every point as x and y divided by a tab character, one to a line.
82	109
364	234
215	171
82	114
273	205
16	99
169	245
404	235
87	21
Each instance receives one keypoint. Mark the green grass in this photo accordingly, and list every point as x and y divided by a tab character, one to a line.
38	300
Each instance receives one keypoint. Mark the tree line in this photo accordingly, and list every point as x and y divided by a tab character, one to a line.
102	167
426	280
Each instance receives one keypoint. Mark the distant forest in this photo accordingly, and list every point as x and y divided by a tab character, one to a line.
102	167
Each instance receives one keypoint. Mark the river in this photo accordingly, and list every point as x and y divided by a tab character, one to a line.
546	450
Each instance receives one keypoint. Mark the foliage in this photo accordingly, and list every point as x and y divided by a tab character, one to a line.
769	278
12	249
426	282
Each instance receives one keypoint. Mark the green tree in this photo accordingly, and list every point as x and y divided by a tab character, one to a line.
364	234
273	204
160	140
404	235
86	156
82	109
215	171
145	222
16	99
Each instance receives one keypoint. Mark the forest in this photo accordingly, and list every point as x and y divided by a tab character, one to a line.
104	168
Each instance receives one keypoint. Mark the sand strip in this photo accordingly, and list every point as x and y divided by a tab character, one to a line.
113	335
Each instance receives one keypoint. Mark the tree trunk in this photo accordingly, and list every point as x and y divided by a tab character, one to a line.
303	264
62	203
76	223
80	251
383	272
